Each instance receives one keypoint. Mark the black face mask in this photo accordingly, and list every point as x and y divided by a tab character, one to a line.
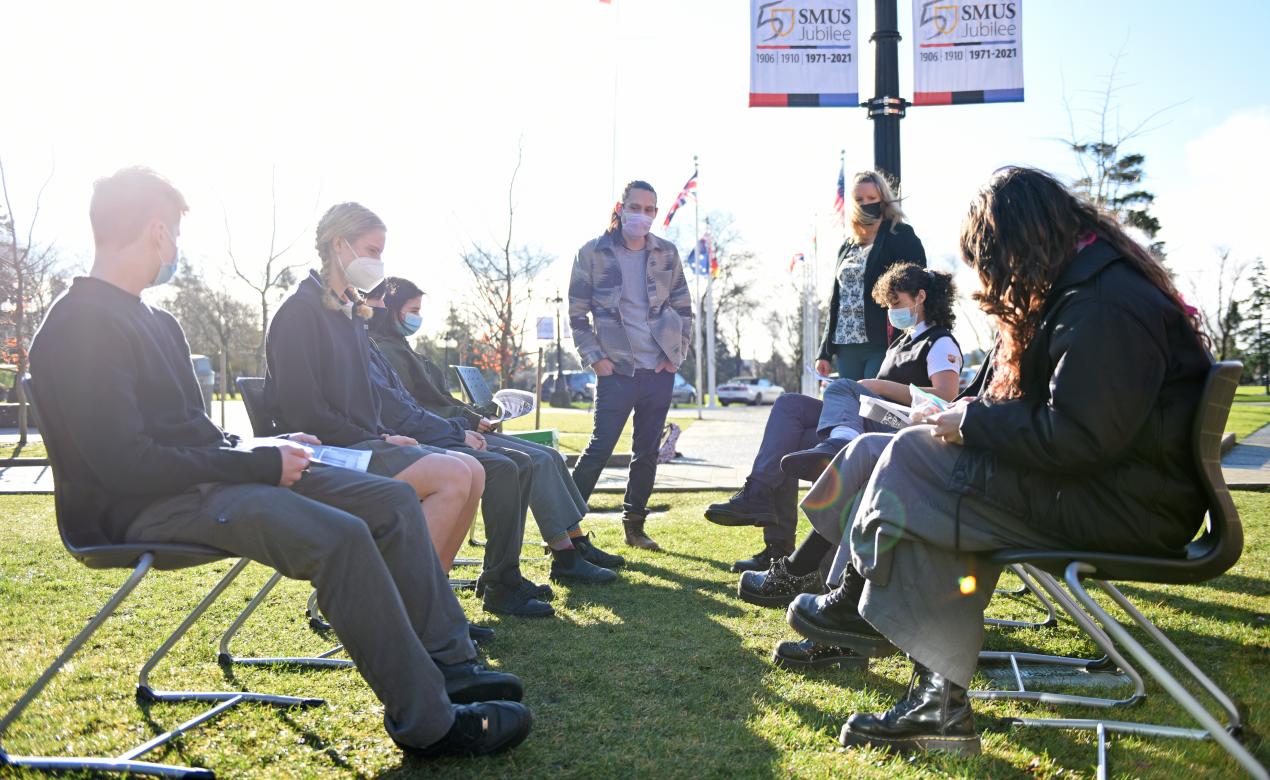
873	210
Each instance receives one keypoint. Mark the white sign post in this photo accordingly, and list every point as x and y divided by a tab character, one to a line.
803	53
967	52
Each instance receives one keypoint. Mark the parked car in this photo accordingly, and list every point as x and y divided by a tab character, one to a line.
206	379
683	393
749	390
581	385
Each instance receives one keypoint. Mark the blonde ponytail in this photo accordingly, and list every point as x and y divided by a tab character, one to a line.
349	221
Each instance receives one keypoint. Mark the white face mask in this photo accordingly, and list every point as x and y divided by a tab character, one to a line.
636	225
363	272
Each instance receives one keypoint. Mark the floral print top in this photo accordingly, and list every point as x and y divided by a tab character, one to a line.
851	294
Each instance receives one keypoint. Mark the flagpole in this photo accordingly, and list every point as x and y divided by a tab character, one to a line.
714	392
696	321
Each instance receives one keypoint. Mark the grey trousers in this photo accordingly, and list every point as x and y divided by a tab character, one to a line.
842	407
504	507
362	541
554	497
918	545
831	502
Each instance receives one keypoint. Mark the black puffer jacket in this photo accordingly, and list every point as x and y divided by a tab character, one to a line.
1099	445
889	248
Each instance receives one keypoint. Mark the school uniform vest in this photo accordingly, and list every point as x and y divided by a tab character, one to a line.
905	360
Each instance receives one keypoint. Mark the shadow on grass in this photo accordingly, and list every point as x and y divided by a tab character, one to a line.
649	673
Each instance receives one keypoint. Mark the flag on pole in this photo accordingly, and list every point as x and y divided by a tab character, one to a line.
702	259
689	191
840	202
795	260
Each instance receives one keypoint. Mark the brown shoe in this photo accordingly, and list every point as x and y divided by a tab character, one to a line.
635	536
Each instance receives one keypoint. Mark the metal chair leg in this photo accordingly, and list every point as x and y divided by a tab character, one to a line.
1224	735
323	660
1112	659
128	762
1028	586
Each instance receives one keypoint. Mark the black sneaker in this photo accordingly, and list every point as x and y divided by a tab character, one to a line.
810	464
587	549
480	634
517	601
776	587
468	682
479	730
570	566
807	654
753	504
761	560
541	592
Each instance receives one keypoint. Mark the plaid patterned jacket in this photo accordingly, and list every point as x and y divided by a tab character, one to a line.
595	291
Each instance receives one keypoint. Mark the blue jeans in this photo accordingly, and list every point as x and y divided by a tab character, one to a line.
858	361
647	394
791	427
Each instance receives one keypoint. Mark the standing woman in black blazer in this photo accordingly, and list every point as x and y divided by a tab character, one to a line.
856	336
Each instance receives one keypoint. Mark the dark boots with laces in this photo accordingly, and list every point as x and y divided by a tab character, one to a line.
777	586
934	716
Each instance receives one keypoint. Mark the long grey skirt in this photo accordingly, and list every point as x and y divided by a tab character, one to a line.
919	546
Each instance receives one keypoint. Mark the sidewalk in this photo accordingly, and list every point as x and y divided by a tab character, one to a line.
717	454
1247	466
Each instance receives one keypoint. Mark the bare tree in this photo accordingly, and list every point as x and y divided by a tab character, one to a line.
271	278
1221	317
27	272
504	277
216	323
1111	177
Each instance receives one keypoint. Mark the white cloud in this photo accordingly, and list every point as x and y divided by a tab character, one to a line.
1221	200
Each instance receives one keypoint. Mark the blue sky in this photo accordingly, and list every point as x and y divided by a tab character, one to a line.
416	111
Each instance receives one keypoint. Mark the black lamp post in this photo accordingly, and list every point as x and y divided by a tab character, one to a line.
560	391
886	109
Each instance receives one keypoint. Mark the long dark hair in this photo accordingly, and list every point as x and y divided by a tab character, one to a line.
1020	234
615	218
912	278
396	291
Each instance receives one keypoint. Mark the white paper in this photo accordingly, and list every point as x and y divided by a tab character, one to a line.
514	403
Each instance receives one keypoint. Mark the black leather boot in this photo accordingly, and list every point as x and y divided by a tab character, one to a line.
761	560
935	715
754	504
834	618
776	587
807	654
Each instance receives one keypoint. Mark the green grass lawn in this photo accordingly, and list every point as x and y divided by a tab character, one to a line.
664	674
1246	418
33	449
1251	393
575	428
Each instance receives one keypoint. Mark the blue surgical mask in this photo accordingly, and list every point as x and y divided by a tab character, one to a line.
902	319
167	270
409	324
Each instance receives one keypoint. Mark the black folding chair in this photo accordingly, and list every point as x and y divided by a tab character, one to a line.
1213	553
94	551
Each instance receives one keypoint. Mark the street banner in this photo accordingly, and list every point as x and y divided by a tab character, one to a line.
803	53
967	52
546	329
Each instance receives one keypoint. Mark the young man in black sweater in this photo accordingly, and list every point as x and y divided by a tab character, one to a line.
145	464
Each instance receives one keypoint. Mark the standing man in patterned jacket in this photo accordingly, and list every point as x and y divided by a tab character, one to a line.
631	316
